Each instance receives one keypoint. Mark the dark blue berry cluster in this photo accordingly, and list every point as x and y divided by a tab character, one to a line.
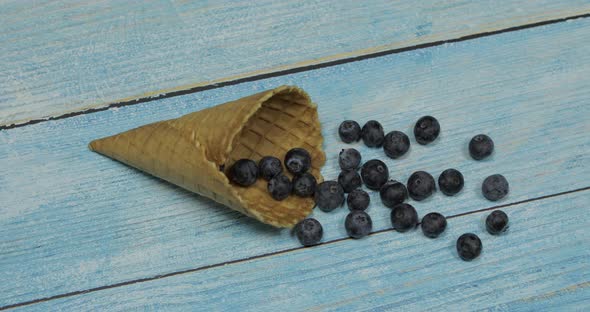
374	175
245	172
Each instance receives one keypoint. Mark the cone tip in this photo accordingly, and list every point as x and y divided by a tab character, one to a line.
92	146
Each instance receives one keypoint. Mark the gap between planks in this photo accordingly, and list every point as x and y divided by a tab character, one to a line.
270	254
254	76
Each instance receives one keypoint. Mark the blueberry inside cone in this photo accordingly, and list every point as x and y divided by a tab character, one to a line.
297	161
304	185
269	167
243	172
280	187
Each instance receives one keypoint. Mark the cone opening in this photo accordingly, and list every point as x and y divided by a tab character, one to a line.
285	120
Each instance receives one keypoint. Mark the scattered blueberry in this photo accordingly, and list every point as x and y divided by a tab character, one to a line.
329	195
349	159
421	185
481	146
468	246
243	172
349	131
358	200
426	130
396	144
393	193
304	185
358	224
349	180
404	217
297	161
309	232
495	187
374	173
497	222
280	187
450	182
433	224
269	167
372	134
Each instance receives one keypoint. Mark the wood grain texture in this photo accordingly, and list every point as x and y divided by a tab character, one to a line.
73	220
546	251
574	297
63	56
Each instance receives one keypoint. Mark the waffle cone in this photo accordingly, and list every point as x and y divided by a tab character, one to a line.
195	150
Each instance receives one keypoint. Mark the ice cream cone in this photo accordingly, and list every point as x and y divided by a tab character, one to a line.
195	150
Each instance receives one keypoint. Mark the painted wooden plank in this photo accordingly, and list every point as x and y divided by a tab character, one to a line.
73	220
546	250
63	56
575	297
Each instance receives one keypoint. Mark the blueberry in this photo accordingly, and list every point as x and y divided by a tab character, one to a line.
280	187
309	232
358	200
481	146
329	195
349	180
495	187
468	246
396	144
426	130
358	224
374	173
404	217
349	131
497	222
243	172
450	182
304	185
393	193
297	161
433	224
349	159
269	167
421	185
372	134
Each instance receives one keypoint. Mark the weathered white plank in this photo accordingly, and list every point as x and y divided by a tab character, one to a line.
546	251
63	56
73	220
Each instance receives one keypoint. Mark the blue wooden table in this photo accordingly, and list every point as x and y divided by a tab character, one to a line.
79	231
